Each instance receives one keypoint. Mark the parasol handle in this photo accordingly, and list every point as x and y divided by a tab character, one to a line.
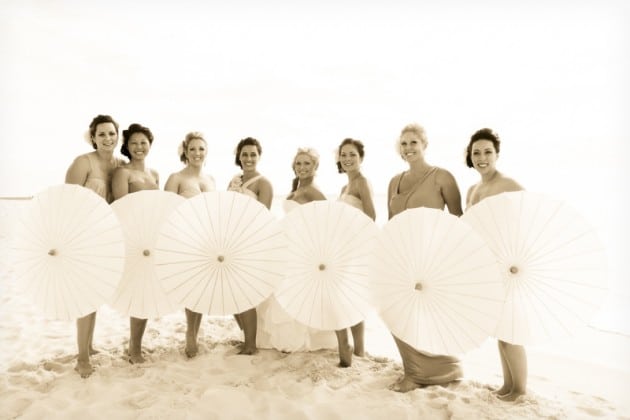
322	267
146	252
513	269
52	252
220	258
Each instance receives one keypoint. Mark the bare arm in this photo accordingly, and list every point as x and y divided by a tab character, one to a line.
365	194
450	192
172	184
78	171
120	183
265	192
468	195
390	193
156	176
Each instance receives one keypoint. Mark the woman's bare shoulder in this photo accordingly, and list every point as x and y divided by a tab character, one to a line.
508	184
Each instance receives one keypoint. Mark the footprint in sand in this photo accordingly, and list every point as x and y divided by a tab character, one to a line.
54	367
595	412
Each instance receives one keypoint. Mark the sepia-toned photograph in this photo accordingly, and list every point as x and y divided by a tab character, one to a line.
320	210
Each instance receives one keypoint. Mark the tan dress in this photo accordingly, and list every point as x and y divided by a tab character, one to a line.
424	368
99	181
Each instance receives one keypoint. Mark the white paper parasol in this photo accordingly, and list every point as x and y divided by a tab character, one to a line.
436	284
140	294
551	260
220	253
68	251
329	244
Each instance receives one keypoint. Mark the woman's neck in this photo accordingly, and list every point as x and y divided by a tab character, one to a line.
105	155
489	177
137	165
247	175
418	166
192	170
305	182
353	175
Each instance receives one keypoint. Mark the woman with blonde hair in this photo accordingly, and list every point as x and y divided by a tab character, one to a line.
422	185
277	329
189	182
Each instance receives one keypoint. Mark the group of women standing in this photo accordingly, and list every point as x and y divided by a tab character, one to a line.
268	326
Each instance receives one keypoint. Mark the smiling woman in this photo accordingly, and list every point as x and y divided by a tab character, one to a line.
94	171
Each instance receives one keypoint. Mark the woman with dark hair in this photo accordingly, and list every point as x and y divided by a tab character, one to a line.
251	183
356	193
129	178
422	185
482	154
94	171
190	182
135	176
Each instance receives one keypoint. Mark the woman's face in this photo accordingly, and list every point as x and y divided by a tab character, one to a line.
483	156
304	166
196	152
138	146
105	137
349	158
411	146
249	158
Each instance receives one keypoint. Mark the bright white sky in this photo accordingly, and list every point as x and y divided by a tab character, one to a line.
551	79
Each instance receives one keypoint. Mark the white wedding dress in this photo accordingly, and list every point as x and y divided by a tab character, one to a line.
278	330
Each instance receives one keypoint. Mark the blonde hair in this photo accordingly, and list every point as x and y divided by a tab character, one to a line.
416	129
312	153
181	149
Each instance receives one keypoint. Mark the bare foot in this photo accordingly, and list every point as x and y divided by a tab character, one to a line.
85	369
501	391
404	385
93	351
510	397
359	352
191	347
190	352
345	357
247	350
136	358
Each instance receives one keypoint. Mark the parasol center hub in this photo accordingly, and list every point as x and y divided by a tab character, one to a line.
322	267
52	252
418	286
220	258
513	269
146	252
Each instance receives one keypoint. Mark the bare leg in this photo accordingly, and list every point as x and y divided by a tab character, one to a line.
92	325
507	376
516	360
345	349
357	338
84	330
136	327
425	369
193	320
249	322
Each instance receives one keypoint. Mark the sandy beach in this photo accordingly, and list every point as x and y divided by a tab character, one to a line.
581	378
